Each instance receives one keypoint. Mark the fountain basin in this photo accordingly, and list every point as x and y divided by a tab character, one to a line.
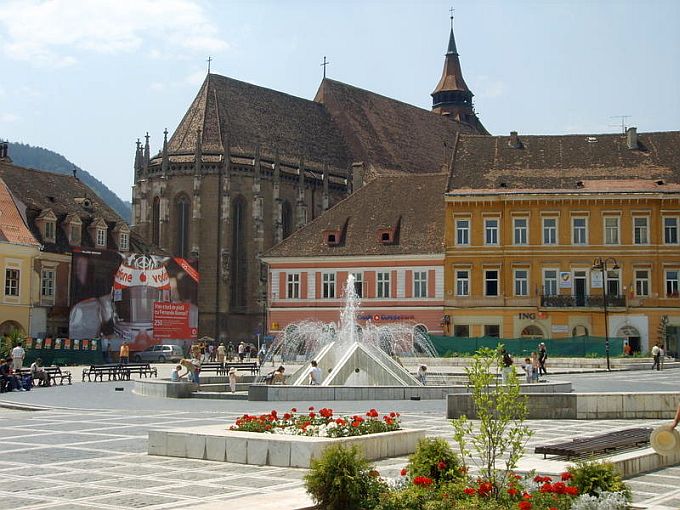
279	393
217	443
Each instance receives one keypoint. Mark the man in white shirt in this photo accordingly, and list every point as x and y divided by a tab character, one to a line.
18	355
656	353
315	374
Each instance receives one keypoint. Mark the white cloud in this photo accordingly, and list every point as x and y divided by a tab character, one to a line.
53	32
487	87
196	78
7	118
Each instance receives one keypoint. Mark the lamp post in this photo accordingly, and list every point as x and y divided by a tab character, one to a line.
603	264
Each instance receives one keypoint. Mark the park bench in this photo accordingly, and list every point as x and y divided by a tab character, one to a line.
213	366
246	366
627	438
55	373
118	372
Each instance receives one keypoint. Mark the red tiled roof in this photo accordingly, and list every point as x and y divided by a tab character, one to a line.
13	228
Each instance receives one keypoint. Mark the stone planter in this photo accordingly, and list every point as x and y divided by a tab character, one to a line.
216	442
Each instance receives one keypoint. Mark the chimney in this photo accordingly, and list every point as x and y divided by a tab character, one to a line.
632	138
515	142
357	175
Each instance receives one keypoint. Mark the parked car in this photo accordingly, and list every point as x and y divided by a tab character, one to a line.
159	354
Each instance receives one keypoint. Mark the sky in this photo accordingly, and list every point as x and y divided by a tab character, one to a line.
87	78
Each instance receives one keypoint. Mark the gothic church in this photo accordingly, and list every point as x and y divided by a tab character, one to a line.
247	166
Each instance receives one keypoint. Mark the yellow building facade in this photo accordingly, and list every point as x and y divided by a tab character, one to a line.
537	262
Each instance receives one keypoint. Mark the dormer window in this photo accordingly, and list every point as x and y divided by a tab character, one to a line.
74	236
387	235
124	241
50	231
332	237
101	237
47	224
72	228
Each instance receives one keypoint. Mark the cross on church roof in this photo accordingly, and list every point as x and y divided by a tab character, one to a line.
325	63
451	10
209	60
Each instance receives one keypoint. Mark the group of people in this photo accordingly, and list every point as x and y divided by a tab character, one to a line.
212	351
658	353
533	366
12	378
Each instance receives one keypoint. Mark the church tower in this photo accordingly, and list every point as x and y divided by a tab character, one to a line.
452	96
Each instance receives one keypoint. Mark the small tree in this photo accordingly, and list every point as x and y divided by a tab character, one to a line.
501	411
9	341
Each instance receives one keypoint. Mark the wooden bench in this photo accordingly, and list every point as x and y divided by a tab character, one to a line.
118	372
214	366
57	373
246	366
627	438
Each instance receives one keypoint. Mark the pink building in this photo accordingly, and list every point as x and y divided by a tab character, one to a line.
389	234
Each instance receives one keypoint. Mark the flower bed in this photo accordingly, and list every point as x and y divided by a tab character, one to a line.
318	424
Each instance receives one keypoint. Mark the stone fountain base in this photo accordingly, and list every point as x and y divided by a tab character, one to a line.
277	393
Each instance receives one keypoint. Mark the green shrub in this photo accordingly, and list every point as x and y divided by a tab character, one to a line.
435	459
342	479
592	477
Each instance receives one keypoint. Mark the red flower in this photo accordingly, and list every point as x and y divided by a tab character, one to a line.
372	413
565	476
340	421
311	408
356	423
393	414
287	416
524	505
572	491
312	415
559	488
441	465
469	491
513	492
552	508
526	496
422	480
485	488
546	487
403	472
293	410
326	413
273	414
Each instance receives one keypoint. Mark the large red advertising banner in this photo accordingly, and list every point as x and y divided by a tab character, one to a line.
171	320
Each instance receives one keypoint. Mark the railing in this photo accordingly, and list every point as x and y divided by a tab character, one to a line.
563	301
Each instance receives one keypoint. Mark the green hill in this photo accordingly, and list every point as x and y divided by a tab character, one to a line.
49	161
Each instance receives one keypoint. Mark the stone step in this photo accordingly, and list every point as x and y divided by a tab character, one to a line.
220	395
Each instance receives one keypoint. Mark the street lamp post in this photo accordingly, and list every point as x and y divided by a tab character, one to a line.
601	264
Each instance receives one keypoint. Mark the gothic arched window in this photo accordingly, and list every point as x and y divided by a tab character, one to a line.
182	221
156	221
286	219
239	254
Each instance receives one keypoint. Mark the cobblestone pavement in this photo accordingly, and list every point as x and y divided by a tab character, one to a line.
89	450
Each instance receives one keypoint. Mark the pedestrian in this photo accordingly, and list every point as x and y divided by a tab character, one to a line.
124	353
656	354
507	366
211	352
18	355
221	353
230	351
314	374
241	351
232	379
38	373
421	375
529	370
542	358
535	367
262	354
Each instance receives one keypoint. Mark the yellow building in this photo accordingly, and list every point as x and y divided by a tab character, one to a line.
18	248
538	229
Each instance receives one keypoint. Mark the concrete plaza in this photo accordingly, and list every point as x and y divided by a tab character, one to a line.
86	447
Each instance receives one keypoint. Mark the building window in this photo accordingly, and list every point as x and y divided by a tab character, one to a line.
671	283
156	221
641	283
101	237
490	231
293	287
520	230
50	230
580	230
286	219
359	284
239	254
670	230
384	284
550	282
75	234
492	330
613	286
183	219
462	232
12	282
47	283
521	282
549	230
420	284
124	241
491	282
641	230
461	330
611	230
462	282
328	287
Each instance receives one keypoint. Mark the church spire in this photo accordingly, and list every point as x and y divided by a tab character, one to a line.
452	96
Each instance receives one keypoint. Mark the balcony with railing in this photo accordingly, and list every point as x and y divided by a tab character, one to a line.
584	301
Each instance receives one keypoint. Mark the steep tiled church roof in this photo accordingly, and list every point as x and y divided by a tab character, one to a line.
388	134
417	224
13	229
250	115
545	162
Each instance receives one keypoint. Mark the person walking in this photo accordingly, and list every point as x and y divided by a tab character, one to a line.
528	370
221	353
656	354
507	367
542	358
232	379
241	351
124	353
18	355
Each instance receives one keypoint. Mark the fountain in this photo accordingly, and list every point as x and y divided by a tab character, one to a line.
351	355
